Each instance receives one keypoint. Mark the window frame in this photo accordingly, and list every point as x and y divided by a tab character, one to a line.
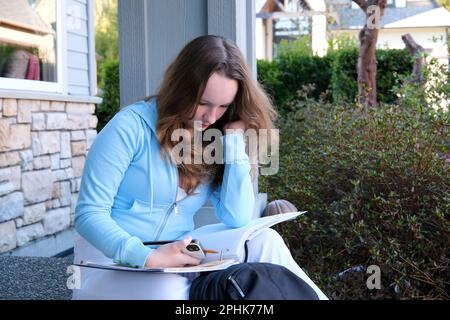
45	86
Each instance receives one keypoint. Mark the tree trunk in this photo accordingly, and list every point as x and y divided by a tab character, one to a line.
367	63
419	60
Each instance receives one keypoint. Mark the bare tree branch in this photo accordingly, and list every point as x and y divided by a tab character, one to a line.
419	59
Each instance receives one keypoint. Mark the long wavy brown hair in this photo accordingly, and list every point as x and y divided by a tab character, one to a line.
182	88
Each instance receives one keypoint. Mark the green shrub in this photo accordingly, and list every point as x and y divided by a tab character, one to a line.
333	76
111	93
391	64
299	71
344	85
299	47
375	185
294	68
269	78
282	78
340	42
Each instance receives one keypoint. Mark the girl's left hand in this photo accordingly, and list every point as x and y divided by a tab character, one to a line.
234	126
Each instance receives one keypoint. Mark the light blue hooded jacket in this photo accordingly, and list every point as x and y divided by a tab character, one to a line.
128	193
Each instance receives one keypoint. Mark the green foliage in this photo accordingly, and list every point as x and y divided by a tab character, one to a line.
5	53
375	185
111	93
391	63
303	70
298	47
344	85
106	34
434	92
269	78
444	3
293	69
341	42
333	76
283	78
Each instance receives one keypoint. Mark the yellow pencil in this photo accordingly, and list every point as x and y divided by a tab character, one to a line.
210	251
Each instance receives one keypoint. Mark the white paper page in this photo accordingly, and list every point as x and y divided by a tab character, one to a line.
230	241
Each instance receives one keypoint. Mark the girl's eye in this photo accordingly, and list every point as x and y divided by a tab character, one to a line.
206	104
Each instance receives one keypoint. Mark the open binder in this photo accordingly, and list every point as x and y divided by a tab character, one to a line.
229	242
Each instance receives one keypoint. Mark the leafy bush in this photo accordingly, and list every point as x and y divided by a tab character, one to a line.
111	93
340	42
299	47
344	85
283	78
333	76
106	34
375	185
391	64
293	68
299	71
269	78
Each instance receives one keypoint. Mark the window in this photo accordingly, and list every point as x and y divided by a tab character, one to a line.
30	45
390	3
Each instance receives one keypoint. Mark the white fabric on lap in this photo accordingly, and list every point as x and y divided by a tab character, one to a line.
98	284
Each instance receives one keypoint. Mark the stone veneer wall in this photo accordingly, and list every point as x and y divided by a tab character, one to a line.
43	145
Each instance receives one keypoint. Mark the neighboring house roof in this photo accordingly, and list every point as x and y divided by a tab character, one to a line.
407	17
18	13
439	17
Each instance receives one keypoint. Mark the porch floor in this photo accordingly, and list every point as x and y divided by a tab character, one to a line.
34	278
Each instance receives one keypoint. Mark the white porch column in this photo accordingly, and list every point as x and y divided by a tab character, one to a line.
319	28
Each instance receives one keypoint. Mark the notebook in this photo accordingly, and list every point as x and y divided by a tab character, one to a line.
229	242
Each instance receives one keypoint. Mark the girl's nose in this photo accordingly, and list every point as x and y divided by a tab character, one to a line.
211	115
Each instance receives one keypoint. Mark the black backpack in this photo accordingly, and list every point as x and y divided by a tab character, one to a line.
251	281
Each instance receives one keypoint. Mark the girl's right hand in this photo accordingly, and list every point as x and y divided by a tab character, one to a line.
170	255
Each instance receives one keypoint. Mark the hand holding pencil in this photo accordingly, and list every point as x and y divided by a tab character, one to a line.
177	253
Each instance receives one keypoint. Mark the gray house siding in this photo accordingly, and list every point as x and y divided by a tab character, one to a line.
79	52
153	32
145	51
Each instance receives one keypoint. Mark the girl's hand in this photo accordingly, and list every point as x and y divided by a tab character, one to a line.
170	255
235	126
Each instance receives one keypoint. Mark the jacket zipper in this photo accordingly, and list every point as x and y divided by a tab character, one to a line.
166	217
173	206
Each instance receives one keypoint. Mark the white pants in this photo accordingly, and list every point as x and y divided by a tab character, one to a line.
98	284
